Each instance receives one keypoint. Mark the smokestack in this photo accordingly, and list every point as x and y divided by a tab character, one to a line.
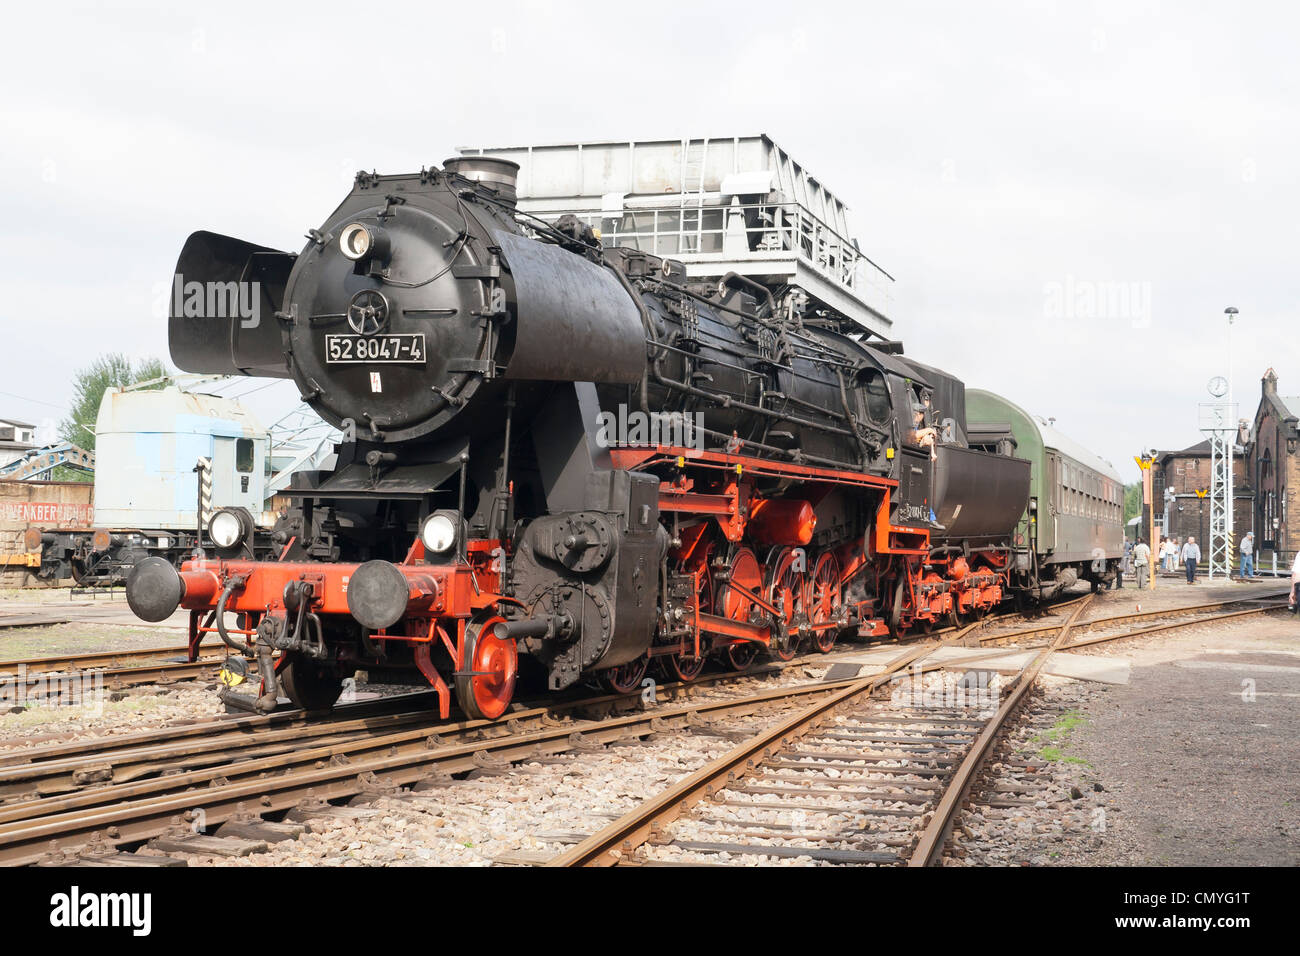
499	174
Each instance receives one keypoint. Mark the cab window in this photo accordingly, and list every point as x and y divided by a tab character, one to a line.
244	455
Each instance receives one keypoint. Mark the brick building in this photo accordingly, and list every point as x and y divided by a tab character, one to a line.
1180	485
1274	470
1266	481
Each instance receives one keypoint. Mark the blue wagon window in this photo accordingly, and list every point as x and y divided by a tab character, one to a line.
244	455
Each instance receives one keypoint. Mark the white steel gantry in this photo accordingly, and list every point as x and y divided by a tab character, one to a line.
1218	422
719	205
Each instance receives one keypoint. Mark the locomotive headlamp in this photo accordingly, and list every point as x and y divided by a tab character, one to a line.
226	529
438	533
356	241
365	245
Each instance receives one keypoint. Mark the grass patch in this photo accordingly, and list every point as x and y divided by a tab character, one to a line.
1053	739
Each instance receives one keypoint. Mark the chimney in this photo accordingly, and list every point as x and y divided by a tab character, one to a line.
1269	382
501	175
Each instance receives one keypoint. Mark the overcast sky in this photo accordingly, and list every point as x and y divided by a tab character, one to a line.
1068	194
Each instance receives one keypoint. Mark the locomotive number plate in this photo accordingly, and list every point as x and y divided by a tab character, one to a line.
369	349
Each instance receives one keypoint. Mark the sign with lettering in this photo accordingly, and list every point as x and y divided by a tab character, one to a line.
47	513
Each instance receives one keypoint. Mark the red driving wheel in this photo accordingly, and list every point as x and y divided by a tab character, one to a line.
824	600
786	589
745	572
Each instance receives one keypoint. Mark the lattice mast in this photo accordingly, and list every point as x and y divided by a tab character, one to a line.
1219	424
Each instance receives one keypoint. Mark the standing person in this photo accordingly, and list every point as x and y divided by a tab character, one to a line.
1248	556
1167	549
1141	564
1173	557
1191	554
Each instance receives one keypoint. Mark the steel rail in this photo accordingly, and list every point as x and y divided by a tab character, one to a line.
63	772
929	847
149	774
326	777
230	723
1140	632
1135	616
96	659
50	685
616	841
335	767
102	747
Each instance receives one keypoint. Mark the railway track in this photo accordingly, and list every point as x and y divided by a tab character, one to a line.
63	676
1266	602
327	770
849	780
38	678
66	796
842	781
842	758
92	660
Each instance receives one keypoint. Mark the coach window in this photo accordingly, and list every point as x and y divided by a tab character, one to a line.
244	455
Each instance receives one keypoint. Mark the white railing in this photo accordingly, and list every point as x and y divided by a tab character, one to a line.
699	232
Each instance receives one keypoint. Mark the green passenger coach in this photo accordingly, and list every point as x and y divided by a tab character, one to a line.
1073	526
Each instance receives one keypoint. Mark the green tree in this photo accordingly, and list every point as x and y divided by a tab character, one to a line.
1132	502
114	370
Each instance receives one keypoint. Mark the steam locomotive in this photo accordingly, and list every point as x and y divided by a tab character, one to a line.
581	461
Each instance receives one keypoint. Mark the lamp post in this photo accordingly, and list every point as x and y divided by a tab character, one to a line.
1145	461
1229	504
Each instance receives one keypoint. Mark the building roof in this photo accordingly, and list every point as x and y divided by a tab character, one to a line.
16	422
1200	450
1285	406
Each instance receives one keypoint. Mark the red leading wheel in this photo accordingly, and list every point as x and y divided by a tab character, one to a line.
491	665
823	601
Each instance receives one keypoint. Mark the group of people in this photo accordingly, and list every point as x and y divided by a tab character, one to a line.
1171	553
